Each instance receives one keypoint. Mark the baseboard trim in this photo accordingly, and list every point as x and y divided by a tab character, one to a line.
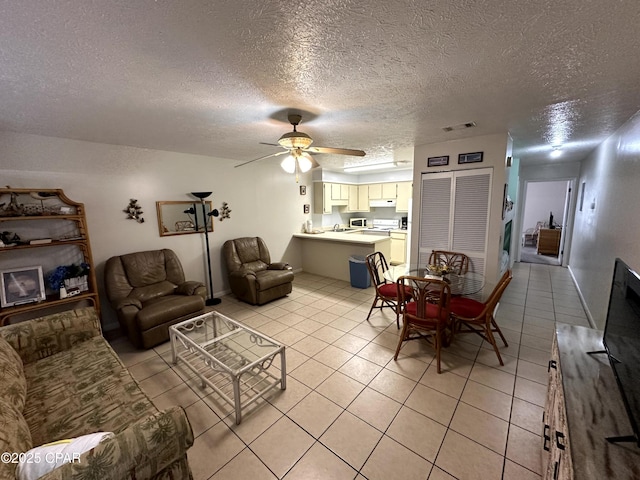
592	323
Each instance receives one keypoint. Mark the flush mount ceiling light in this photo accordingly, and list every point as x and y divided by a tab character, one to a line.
556	152
460	126
375	166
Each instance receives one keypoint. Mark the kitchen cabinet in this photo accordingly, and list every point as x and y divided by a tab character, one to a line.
339	193
322	202
398	247
404	192
549	241
383	191
358	198
53	232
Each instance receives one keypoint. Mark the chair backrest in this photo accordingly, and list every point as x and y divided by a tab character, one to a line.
424	291
145	274
458	262
246	253
496	294
377	265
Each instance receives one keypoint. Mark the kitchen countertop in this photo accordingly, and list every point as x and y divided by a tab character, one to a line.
345	237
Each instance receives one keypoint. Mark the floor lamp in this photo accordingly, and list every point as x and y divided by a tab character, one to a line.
212	213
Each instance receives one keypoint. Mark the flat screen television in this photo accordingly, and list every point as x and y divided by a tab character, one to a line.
622	342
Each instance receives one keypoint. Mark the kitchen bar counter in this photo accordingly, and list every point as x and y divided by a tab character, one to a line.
328	253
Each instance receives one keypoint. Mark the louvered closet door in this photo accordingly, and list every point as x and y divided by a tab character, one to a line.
435	214
455	214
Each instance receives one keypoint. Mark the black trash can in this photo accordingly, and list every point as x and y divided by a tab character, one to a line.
358	272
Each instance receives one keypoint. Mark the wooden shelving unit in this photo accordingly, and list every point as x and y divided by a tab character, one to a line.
45	213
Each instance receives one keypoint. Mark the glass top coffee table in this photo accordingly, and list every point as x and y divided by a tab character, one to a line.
236	361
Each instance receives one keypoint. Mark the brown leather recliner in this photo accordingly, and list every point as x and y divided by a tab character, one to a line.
252	276
149	293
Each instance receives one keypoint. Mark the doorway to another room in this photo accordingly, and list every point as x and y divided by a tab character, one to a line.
545	211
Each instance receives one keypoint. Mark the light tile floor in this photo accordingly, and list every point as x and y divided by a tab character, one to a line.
351	412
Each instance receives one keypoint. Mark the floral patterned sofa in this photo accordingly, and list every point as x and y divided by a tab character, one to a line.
60	379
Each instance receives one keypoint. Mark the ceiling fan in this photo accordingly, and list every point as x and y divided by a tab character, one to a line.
298	147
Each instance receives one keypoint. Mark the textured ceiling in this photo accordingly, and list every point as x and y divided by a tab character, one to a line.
218	77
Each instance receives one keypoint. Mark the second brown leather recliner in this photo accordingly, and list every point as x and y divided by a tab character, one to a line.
252	276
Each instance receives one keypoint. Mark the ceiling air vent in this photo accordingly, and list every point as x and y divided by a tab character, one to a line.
460	126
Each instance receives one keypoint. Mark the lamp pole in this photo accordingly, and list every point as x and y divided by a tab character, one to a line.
202	195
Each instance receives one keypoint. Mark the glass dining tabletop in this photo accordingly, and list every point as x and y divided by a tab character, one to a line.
466	284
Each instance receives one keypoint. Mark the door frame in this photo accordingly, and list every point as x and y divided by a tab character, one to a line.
568	217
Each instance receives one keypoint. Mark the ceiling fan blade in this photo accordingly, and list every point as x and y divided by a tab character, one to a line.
262	158
270	144
337	151
314	163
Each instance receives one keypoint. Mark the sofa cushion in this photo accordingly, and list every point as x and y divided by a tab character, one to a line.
159	311
48	335
13	384
14	437
80	391
267	279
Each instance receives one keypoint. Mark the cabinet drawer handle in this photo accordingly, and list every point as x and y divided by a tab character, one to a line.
547	438
552	364
559	436
556	469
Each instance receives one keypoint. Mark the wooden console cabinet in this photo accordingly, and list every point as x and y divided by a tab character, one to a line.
549	241
584	407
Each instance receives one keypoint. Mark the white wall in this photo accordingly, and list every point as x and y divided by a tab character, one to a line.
265	201
496	148
542	198
609	224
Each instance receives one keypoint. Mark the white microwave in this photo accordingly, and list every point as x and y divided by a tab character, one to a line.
357	222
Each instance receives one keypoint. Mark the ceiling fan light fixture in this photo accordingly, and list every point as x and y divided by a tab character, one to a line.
304	162
289	164
295	140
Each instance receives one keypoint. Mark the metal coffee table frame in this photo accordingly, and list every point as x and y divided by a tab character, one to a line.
218	363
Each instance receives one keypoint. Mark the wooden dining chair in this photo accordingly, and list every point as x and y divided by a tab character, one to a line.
425	312
472	316
386	290
456	261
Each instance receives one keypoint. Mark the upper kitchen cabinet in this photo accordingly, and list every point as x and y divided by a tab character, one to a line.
358	198
404	192
322	202
339	193
383	191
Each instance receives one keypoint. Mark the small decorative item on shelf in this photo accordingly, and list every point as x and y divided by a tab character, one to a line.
134	211
11	208
69	280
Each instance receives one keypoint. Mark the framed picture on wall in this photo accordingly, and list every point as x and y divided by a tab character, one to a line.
438	161
474	157
504	201
21	285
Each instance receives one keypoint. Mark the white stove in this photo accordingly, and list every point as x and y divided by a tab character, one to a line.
382	227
